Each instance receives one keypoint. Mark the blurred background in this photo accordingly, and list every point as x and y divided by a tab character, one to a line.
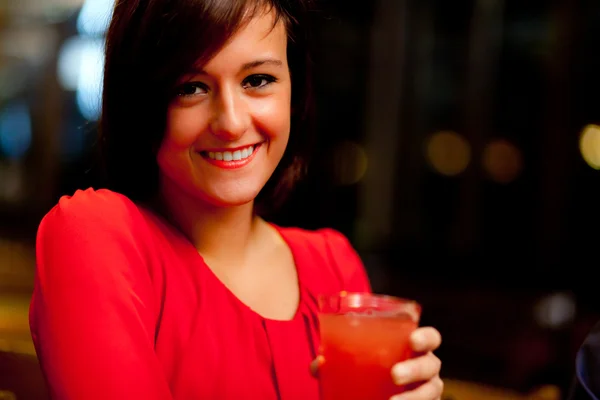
459	149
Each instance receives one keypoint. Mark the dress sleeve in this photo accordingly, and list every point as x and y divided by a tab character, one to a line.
93	311
347	262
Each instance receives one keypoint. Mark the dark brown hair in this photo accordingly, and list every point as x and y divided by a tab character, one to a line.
149	45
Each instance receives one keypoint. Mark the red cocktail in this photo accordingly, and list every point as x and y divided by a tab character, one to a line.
362	337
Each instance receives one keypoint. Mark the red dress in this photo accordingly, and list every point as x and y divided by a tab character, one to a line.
124	307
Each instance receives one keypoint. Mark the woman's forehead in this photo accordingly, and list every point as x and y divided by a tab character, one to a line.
261	38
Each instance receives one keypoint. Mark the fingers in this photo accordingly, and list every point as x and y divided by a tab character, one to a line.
419	369
431	390
425	339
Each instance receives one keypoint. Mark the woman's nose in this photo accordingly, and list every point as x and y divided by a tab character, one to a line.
231	116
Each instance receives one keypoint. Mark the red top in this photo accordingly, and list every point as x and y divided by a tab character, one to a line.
124	307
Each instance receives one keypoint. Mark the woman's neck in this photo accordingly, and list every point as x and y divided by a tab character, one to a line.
219	233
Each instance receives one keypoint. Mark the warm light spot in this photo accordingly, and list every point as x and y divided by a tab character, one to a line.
349	163
448	153
7	395
502	161
589	145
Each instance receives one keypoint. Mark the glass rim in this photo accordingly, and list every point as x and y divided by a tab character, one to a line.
387	297
408	306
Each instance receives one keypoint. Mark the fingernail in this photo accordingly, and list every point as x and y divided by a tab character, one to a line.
400	373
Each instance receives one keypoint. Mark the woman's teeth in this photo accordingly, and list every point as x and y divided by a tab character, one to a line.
231	155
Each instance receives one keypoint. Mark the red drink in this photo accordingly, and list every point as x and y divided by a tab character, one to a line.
360	342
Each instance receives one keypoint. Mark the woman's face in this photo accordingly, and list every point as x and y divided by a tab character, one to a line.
229	125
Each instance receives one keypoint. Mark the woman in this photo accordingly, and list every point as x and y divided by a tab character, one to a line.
170	286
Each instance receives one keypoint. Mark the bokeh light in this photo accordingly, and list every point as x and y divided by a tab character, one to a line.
349	163
502	161
589	145
15	130
448	153
555	310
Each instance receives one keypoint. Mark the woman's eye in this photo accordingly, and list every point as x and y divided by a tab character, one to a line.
258	81
192	89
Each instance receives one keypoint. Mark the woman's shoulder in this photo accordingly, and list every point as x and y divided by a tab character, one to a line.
94	216
329	249
102	206
92	229
319	238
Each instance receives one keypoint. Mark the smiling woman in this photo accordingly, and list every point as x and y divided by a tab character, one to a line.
169	284
171	47
239	99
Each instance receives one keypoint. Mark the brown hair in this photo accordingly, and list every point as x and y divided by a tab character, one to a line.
149	45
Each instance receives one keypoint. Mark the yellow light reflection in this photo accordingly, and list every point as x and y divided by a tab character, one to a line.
589	145
448	153
502	161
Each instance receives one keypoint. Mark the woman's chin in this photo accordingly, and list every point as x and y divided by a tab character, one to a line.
231	198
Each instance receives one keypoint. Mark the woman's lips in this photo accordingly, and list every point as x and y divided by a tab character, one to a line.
231	158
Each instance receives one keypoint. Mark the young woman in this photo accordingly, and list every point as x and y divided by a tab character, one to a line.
170	285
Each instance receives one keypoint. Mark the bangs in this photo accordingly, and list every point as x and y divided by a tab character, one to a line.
197	30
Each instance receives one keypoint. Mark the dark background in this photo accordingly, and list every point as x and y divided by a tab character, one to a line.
448	152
